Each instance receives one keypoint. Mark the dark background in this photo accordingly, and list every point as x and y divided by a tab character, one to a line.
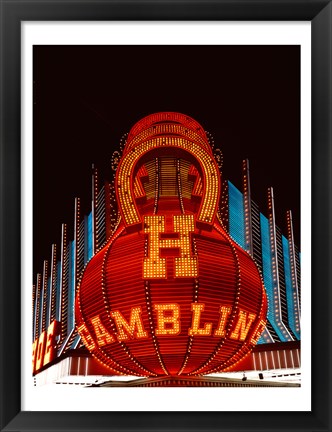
87	97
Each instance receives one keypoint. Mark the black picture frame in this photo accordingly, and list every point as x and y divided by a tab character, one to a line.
12	14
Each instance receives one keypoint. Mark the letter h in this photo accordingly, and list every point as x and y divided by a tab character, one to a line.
154	267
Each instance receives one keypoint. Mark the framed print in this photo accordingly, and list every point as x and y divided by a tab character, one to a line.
166	191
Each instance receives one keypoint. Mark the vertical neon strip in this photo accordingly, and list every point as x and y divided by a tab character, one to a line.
274	255
63	313
247	207
266	259
89	237
41	307
48	303
94	207
71	288
293	272
291	299
52	306
40	317
38	306
76	239
108	216
236	215
45	296
34	304
267	274
276	304
58	292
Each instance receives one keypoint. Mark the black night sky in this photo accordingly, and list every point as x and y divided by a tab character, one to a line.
87	97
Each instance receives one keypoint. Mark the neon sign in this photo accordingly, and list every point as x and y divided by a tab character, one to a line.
170	293
168	319
43	348
185	264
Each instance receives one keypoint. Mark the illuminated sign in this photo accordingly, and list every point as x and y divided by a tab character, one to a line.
170	293
43	348
185	265
168	319
207	164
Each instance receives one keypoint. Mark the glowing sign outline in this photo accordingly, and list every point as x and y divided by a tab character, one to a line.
126	168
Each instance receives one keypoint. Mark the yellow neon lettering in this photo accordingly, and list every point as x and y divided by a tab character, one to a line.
86	337
168	319
243	325
133	329
103	336
40	350
195	330
224	313
185	264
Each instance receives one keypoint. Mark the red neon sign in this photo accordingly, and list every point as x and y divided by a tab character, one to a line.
43	348
171	293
